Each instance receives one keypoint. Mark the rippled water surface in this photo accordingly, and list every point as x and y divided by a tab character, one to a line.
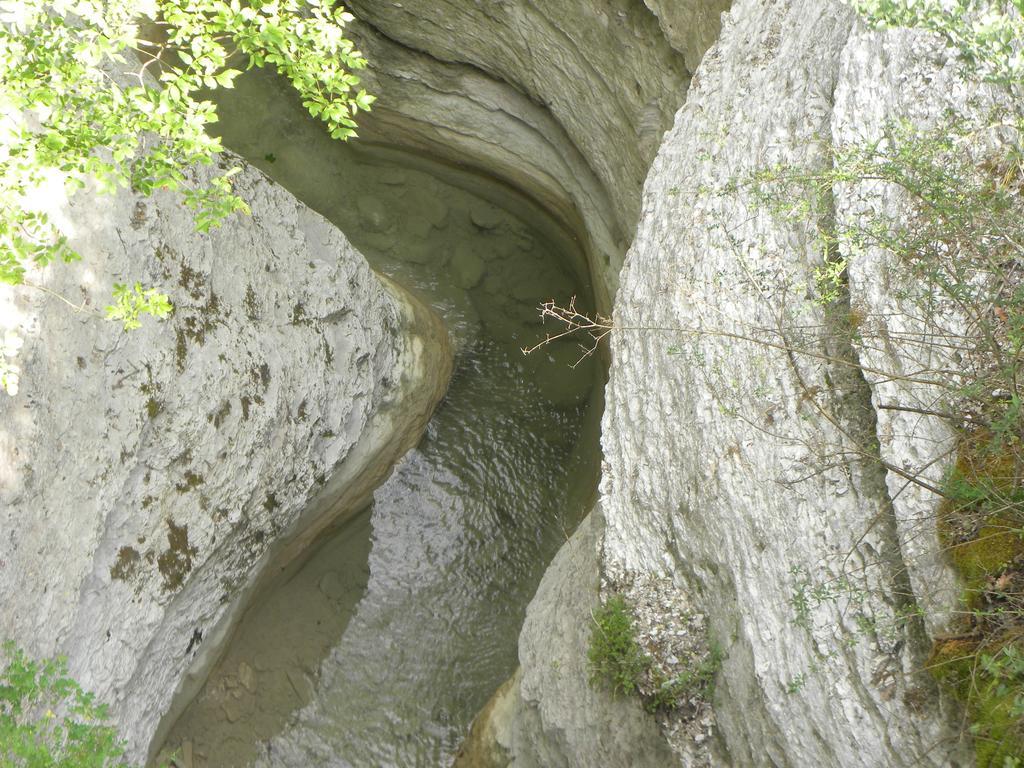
380	649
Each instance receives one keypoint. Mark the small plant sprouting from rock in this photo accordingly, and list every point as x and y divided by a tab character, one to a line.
616	659
696	681
620	663
796	684
130	303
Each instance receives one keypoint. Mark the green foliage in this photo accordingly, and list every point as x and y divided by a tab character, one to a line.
830	280
48	721
809	593
130	303
619	663
111	91
796	684
616	659
989	680
986	34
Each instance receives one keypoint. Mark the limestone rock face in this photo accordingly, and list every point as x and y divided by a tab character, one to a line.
691	26
566	101
735	465
885	78
603	69
148	480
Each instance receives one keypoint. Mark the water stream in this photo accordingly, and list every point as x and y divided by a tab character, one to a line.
380	647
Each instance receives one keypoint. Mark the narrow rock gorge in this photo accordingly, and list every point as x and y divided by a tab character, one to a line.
328	514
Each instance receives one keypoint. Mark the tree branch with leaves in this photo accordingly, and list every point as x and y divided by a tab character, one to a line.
116	92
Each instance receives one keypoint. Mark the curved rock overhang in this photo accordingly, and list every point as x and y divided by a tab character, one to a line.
565	102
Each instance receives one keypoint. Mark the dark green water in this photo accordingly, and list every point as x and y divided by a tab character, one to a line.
381	648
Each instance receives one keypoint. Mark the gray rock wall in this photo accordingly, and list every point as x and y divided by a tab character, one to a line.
887	77
566	101
737	466
603	70
691	26
151	479
549	715
460	114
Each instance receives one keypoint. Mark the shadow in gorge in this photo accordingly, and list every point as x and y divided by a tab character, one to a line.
382	645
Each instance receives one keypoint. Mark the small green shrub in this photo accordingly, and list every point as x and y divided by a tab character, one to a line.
616	659
48	721
618	662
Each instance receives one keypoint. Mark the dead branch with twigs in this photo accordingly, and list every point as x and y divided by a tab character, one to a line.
574	322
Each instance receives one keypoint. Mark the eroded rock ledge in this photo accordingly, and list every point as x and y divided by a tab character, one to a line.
149	481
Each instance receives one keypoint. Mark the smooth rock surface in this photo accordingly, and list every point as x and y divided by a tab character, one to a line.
565	101
603	69
148	480
691	26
